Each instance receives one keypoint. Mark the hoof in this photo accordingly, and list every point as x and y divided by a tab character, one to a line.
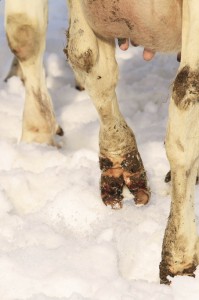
130	172
137	185
166	271
60	131
142	197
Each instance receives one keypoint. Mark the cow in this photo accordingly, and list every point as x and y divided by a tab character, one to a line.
163	26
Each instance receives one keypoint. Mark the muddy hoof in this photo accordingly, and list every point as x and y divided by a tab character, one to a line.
128	171
164	272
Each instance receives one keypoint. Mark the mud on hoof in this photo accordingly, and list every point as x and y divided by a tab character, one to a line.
111	190
165	271
128	171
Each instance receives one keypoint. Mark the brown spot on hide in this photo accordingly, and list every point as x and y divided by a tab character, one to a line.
86	60
83	61
42	102
168	177
186	88
23	37
45	109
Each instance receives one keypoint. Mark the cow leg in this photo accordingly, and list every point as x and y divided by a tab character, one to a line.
26	24
93	60
180	252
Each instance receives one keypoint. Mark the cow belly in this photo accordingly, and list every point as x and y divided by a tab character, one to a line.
153	24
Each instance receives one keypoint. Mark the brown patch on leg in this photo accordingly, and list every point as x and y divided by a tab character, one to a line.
168	178
23	37
186	88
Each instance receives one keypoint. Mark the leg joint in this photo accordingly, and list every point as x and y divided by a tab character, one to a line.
23	36
81	57
82	47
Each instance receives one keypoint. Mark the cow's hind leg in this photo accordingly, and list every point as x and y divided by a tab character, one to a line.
93	59
26	24
180	252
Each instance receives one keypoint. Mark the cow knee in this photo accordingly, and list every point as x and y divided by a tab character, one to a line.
81	49
23	36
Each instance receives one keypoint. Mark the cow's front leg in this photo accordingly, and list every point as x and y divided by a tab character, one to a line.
180	252
93	60
26	30
180	245
121	168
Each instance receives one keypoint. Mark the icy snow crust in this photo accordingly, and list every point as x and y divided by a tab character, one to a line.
57	240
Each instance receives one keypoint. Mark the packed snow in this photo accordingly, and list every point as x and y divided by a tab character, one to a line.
57	239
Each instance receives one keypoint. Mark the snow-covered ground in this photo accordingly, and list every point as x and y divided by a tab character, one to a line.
57	240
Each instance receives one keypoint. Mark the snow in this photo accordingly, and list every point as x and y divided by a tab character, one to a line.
57	239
